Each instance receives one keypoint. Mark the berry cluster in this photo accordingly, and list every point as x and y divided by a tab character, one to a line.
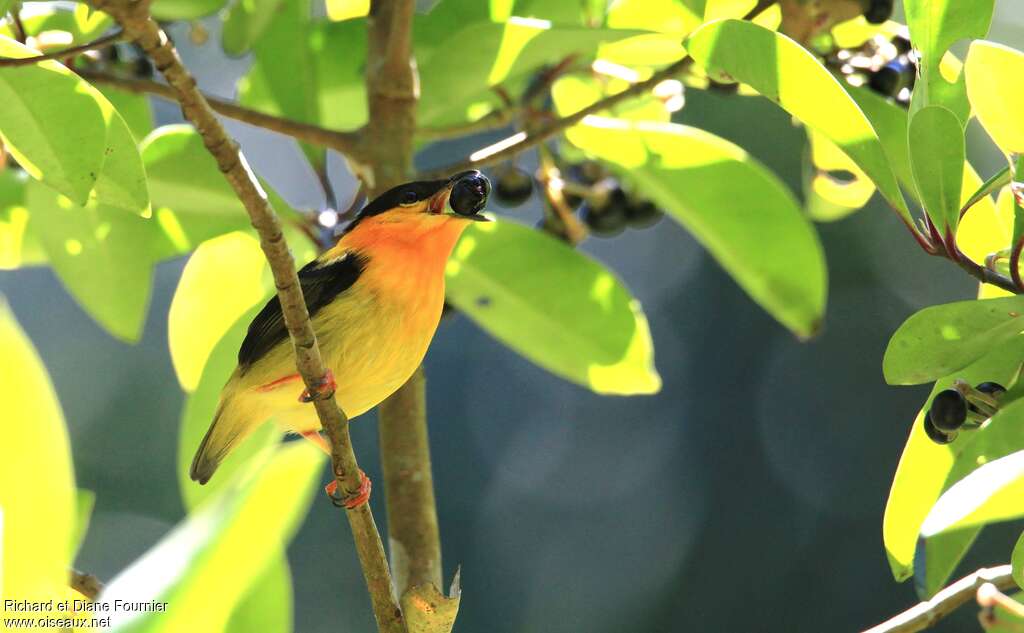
605	207
887	67
952	408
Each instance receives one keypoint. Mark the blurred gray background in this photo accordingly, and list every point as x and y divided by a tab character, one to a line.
746	496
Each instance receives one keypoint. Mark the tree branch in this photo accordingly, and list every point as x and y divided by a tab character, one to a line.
393	89
106	40
85	584
139	26
946	601
506	148
344	142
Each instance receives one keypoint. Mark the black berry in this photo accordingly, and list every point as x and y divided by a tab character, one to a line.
588	172
948	410
514	187
643	213
609	218
991	388
902	44
469	193
878	11
934	434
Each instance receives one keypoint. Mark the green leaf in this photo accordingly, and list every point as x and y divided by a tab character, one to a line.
990	493
287	70
222	547
937	558
934	26
18	247
941	339
996	98
937	156
492	54
926	469
184	9
53	123
122	181
85	501
786	73
198	413
890	121
83	23
225	278
558	308
267	607
245	22
37	485
996	182
757	232
133	108
103	256
1017	561
192	200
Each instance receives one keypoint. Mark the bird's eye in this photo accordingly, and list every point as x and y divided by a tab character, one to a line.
409	197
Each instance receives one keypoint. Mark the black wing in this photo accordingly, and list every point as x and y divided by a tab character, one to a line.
320	282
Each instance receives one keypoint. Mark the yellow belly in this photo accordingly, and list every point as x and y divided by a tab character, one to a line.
371	340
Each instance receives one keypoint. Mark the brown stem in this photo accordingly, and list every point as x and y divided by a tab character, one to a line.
106	40
515	144
344	142
134	18
412	514
1015	264
961	592
17	25
85	584
393	89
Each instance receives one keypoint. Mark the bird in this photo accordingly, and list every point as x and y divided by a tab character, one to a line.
374	299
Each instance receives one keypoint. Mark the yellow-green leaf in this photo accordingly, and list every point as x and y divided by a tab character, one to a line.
786	73
222	546
37	486
103	256
757	232
925	467
557	307
990	493
222	280
996	94
937	156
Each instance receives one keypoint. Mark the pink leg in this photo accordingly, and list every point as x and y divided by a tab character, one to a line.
361	497
322	391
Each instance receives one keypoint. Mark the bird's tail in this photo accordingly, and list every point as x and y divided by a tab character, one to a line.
229	427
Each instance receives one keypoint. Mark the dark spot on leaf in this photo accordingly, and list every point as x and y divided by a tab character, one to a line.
483	302
842	176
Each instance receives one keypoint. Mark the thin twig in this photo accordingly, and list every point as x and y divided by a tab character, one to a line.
344	142
17	25
134	18
106	40
506	148
86	584
961	592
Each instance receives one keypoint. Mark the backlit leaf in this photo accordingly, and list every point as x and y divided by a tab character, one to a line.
757	231
926	469
558	308
267	607
937	156
37	486
996	95
221	547
990	493
934	26
103	256
944	338
786	73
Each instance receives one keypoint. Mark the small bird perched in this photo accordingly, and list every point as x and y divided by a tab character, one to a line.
374	299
